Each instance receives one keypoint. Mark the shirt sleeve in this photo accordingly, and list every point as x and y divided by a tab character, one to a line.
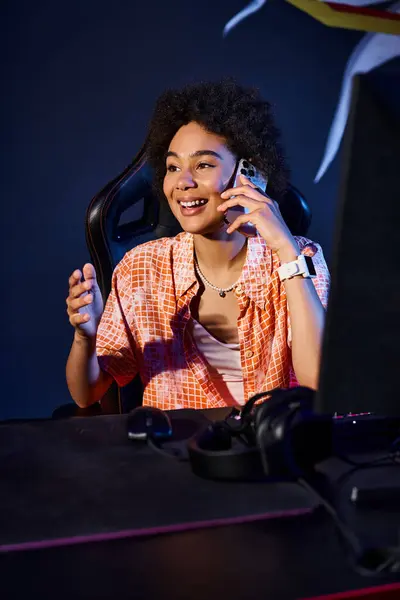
115	345
321	281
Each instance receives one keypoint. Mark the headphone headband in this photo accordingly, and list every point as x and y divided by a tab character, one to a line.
230	449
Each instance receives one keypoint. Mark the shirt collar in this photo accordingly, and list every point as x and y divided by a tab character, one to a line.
255	275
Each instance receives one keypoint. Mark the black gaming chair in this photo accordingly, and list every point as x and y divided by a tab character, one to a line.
126	213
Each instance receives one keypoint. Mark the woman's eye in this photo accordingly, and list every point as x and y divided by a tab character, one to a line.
202	165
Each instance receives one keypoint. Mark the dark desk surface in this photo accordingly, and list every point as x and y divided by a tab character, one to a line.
279	558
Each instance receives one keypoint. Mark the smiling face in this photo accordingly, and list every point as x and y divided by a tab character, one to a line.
199	167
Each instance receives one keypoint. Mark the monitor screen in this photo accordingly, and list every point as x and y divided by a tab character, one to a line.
360	364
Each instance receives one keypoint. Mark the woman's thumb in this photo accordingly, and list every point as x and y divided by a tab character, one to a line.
89	272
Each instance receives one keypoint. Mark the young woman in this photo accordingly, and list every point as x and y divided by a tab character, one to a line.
207	318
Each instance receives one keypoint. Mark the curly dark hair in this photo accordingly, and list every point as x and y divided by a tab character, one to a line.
225	108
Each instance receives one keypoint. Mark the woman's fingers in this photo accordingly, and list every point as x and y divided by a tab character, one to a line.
77	319
79	295
74	278
76	303
246	202
242	220
80	289
77	286
84	301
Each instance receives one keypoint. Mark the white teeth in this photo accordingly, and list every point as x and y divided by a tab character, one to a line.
193	203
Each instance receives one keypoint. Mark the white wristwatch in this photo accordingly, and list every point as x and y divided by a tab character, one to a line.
303	266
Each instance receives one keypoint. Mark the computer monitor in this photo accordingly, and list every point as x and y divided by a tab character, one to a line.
360	364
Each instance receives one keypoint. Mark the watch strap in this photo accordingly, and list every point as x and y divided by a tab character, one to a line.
303	266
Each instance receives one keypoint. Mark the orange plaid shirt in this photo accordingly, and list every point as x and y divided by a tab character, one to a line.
143	327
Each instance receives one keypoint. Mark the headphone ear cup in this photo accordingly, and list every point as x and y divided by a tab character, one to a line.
272	419
270	439
282	401
213	438
266	411
265	427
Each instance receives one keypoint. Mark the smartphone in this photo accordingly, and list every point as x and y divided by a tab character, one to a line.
259	179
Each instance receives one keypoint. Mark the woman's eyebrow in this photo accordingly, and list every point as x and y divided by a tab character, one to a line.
197	153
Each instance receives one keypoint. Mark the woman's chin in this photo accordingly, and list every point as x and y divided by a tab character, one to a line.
206	229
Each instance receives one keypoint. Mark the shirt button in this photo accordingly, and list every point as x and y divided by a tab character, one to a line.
249	353
238	290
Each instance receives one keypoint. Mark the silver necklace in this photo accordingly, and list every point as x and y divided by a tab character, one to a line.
221	291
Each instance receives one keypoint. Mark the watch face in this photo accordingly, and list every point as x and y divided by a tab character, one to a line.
310	265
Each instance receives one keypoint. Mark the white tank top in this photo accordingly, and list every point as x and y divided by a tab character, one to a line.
224	364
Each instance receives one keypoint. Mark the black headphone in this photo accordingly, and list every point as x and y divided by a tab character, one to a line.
261	440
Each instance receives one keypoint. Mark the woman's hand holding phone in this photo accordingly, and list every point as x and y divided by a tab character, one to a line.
262	212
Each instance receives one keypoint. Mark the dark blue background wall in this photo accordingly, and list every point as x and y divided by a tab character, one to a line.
79	82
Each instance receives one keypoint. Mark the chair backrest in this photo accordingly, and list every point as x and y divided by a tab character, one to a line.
126	213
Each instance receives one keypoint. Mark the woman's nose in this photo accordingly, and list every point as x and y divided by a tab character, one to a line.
185	180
